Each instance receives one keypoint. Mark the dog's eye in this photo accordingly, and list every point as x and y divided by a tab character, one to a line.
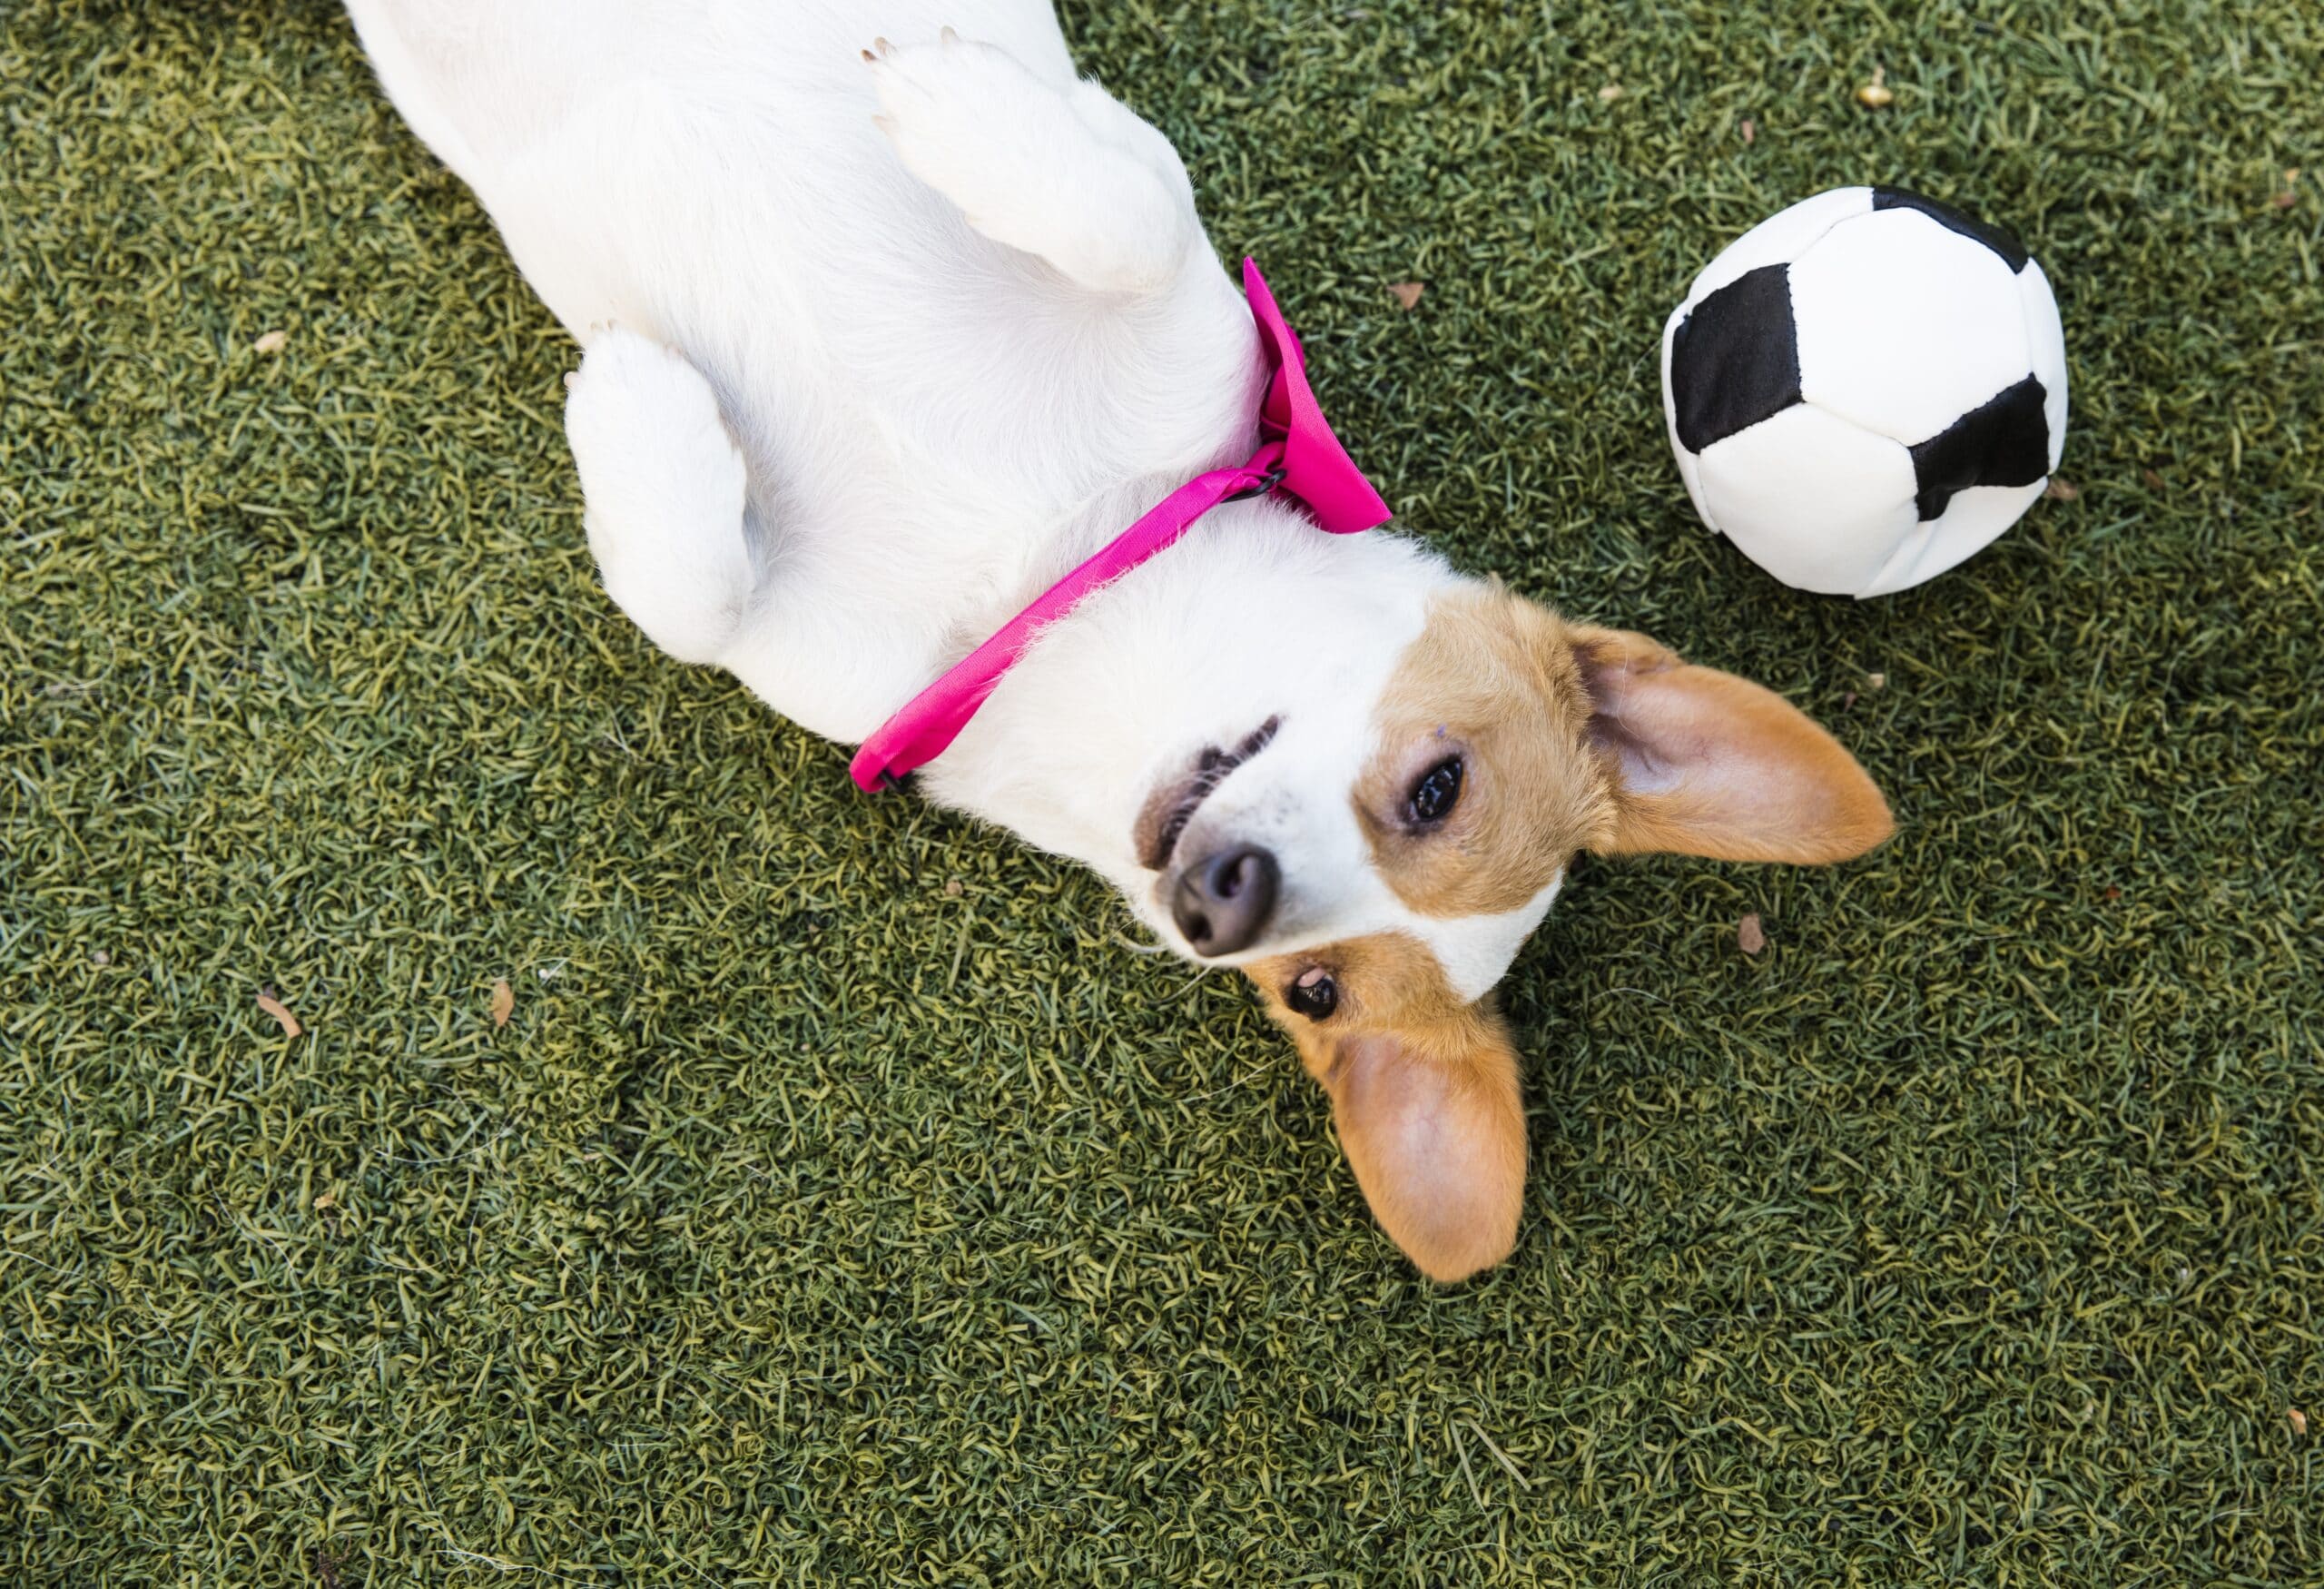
1438	791
1314	996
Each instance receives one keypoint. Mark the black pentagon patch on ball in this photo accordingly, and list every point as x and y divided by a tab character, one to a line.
2012	251
1735	359
2003	442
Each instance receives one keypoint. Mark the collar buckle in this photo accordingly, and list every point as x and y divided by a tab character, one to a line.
1258	487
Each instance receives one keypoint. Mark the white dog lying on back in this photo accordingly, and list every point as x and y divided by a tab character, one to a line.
882	340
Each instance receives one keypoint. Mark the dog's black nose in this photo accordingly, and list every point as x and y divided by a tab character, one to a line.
1223	903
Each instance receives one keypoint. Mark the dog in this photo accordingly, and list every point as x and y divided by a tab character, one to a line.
881	338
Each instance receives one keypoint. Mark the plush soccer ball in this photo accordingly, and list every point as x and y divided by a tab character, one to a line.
1864	390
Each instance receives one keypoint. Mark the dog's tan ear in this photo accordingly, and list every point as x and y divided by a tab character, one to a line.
1707	764
1435	1130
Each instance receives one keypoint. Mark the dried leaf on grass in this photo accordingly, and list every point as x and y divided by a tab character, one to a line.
1750	936
271	342
281	1012
2299	1421
2062	490
504	1003
1407	293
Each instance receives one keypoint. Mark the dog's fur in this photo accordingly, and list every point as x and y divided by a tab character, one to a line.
882	338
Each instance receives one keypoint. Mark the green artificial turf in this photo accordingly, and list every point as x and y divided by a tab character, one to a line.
844	1203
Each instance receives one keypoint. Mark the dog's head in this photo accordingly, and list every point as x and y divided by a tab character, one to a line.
1373	863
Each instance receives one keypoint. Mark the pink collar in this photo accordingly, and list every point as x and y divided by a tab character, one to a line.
1297	455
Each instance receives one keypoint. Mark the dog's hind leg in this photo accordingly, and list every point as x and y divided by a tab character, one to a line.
1067	172
665	487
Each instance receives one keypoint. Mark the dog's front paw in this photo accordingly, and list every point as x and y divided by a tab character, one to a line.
964	116
1022	160
666	488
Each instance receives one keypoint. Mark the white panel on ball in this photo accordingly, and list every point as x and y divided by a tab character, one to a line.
1818	502
1906	325
1780	238
2047	334
1973	522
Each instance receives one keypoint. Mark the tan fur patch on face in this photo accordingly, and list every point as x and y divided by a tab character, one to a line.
1388	984
1426	1096
1491	679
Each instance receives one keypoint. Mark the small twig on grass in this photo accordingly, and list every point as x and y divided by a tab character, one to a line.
494	1562
28	1258
1502	1457
1462	1451
2008	1213
959	949
1245	1079
690	1567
